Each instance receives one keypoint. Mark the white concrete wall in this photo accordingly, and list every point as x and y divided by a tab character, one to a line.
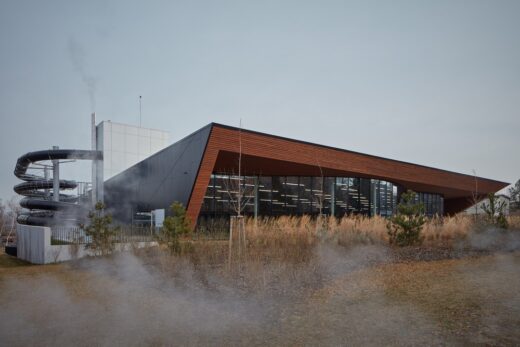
34	246
125	145
31	243
480	209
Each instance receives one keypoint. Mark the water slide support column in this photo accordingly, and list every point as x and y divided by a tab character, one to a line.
56	178
94	162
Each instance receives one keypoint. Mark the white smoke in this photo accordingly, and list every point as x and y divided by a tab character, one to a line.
357	295
78	58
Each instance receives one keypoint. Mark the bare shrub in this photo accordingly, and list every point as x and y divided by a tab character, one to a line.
56	251
74	250
495	211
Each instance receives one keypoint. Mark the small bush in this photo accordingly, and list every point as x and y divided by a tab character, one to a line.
404	228
174	226
100	231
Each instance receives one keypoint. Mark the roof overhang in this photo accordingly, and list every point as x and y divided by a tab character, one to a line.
264	154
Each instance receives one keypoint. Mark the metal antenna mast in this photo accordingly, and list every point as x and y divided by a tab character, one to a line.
140	115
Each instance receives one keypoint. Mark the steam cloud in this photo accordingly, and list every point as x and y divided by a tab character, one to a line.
78	58
330	299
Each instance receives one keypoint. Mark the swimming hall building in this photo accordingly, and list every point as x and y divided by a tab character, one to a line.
281	176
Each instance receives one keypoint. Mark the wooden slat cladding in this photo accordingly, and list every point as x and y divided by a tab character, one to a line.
278	155
201	182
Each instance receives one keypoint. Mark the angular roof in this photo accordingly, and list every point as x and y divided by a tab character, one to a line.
181	172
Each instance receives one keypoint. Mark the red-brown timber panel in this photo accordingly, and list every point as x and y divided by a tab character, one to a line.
201	182
279	154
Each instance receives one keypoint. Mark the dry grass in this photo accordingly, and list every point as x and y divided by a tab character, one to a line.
299	282
514	222
447	229
332	296
358	229
295	240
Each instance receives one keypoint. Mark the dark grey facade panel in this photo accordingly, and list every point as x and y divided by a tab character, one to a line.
159	180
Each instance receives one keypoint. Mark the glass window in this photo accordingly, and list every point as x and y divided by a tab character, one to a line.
341	196
222	194
291	195
248	195
392	194
353	191
305	195
328	193
264	195
209	197
318	197
364	196
278	196
380	197
385	198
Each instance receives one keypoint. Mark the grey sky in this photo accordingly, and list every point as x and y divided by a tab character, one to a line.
430	82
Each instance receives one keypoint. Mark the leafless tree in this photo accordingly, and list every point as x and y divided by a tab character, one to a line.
474	194
239	193
56	251
3	218
10	215
319	199
514	194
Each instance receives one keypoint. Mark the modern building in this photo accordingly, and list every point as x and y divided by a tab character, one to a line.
280	176
501	200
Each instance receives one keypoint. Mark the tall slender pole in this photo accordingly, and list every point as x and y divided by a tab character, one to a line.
94	162
140	112
56	178
239	169
475	196
46	175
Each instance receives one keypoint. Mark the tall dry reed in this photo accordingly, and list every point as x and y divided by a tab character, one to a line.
351	230
442	230
293	239
289	248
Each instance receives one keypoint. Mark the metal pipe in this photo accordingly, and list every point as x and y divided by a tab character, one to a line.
46	176
56	178
100	192
94	162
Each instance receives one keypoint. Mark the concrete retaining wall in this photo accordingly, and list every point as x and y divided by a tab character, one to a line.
31	243
34	246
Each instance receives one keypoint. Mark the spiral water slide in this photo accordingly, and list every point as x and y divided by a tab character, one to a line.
43	205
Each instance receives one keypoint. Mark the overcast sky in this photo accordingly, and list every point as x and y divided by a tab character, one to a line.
430	82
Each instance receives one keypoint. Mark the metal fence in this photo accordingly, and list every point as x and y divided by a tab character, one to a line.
69	235
123	234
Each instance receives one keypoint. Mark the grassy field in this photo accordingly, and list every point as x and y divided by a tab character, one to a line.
288	288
